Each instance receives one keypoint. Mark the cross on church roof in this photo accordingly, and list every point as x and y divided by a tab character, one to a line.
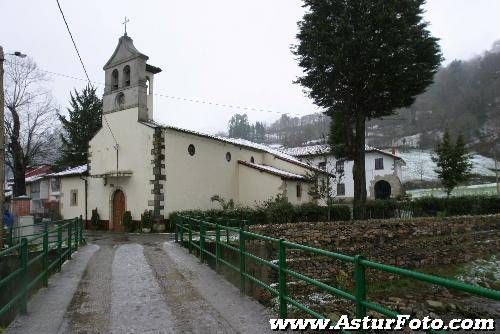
125	24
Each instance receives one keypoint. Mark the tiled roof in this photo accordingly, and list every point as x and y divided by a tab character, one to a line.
78	170
240	142
303	151
273	170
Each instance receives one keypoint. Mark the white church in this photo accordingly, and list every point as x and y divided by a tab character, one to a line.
136	164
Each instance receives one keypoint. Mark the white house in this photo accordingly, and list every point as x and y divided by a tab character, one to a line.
383	170
137	164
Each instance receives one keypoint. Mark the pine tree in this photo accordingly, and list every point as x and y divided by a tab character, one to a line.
453	162
84	121
364	59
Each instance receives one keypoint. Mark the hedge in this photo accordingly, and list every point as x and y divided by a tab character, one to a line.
434	206
277	213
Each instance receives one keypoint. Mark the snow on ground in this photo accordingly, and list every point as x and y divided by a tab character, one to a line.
476	189
420	162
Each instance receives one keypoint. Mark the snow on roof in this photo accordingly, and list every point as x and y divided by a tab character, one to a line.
34	178
273	170
78	170
239	142
302	151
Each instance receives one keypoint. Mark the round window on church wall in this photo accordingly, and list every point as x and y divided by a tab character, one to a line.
191	149
228	156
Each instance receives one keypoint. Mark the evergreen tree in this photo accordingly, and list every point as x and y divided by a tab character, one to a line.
84	121
364	59
239	127
453	162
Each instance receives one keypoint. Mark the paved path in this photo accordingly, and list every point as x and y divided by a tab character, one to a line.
139	284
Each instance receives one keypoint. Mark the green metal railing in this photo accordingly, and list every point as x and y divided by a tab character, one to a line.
199	226
51	239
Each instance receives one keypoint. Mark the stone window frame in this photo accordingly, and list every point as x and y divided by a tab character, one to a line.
73	197
379	163
115	76
126	76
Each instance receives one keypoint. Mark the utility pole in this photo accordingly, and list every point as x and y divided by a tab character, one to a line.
2	148
2	139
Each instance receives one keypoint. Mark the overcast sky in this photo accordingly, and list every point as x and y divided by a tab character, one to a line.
231	52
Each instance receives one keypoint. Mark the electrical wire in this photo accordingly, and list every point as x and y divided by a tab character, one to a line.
83	65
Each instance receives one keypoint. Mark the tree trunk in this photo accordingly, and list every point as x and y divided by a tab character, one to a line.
359	173
19	187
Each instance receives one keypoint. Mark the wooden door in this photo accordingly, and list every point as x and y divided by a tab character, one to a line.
118	210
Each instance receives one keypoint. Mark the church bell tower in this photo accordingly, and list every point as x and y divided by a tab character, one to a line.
129	81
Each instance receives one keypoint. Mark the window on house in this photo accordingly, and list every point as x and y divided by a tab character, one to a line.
341	189
191	149
126	76
148	86
322	165
55	184
379	163
35	187
339	166
252	160
228	156
74	197
299	190
114	79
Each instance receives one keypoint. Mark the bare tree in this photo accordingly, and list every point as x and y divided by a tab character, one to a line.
30	125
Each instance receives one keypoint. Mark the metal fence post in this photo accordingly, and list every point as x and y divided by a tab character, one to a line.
217	245
360	287
69	240
227	230
11	240
283	309
59	245
176	231
202	239
82	227
77	233
182	229
190	236
24	277
45	254
242	259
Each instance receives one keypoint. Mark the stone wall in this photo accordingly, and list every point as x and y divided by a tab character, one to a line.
412	244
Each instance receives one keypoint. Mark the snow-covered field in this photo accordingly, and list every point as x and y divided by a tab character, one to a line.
419	162
476	189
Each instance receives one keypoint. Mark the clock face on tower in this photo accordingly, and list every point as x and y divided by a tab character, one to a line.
120	100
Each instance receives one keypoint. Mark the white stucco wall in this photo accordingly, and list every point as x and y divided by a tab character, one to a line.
390	168
256	186
134	154
67	185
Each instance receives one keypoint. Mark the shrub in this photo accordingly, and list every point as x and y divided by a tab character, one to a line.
128	223
94	219
147	219
279	211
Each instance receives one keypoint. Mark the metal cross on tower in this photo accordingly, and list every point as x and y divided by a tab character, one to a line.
125	24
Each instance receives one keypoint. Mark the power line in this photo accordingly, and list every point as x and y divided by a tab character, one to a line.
73	40
83	65
180	98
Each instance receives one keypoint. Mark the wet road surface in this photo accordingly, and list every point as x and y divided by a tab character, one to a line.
148	284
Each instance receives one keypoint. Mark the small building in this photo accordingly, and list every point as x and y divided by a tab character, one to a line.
383	170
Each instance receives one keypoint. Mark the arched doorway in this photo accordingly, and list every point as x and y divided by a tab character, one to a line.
118	210
382	190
